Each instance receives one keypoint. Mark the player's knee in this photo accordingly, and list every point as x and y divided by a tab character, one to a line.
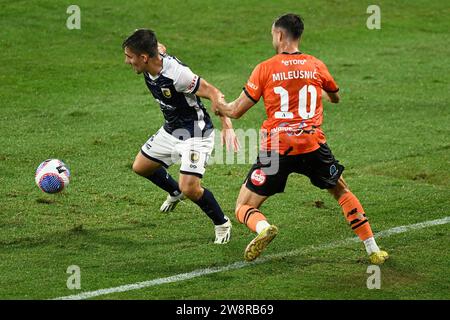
191	191
137	168
143	170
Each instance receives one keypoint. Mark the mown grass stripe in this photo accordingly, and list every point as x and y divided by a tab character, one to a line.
242	264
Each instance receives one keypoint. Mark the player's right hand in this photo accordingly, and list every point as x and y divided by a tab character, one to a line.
221	103
162	48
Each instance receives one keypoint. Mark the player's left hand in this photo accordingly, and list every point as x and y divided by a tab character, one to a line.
228	136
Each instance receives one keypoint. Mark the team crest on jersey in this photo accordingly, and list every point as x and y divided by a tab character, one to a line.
194	156
166	92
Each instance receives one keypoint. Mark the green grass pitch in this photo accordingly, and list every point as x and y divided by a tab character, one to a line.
67	94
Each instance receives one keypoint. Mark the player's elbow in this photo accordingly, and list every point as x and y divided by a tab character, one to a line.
335	100
334	97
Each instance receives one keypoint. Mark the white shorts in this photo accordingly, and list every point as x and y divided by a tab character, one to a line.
194	153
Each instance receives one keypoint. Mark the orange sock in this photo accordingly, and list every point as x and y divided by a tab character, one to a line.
249	216
354	213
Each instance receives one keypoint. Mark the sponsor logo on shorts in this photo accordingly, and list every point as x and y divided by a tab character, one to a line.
333	170
194	156
258	177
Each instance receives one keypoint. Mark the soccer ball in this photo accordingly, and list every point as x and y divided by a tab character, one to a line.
52	176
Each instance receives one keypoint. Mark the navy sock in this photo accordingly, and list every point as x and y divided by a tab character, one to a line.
165	181
210	206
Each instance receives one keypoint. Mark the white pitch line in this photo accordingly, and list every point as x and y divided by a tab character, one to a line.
242	264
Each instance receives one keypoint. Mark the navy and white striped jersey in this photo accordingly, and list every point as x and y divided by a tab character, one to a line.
174	89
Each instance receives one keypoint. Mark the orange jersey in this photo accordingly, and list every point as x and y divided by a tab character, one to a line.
291	86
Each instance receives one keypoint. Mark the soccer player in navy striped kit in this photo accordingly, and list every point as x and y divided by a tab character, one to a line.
187	132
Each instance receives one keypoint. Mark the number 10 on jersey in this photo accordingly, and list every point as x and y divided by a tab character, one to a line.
302	102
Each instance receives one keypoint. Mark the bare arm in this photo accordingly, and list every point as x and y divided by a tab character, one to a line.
237	108
208	91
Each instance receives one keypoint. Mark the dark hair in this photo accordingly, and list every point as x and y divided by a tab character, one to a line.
291	23
142	41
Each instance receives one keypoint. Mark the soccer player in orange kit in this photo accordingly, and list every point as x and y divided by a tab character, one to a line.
292	84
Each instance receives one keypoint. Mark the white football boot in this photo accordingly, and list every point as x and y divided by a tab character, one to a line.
171	202
223	232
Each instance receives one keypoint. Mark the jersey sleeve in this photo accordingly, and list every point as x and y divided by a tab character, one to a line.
254	86
328	82
185	80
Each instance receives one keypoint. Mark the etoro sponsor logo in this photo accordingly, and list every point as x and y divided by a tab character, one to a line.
293	62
